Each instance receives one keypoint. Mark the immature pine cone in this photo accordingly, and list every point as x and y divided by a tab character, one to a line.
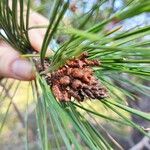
76	79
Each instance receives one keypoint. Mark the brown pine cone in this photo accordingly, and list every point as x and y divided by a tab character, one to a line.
76	79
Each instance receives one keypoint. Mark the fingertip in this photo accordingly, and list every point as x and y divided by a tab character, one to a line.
36	40
13	66
22	69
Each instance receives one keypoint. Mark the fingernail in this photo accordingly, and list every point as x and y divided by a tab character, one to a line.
22	69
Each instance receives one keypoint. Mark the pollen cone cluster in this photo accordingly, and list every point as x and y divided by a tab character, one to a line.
76	79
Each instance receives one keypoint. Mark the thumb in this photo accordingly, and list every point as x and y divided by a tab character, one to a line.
13	66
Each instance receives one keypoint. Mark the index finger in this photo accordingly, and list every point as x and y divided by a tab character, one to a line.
36	36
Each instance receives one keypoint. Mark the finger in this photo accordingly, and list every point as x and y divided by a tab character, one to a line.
13	66
36	36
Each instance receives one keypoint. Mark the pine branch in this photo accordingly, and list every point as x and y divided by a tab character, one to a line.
121	52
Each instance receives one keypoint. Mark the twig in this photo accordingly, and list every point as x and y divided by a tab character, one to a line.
145	142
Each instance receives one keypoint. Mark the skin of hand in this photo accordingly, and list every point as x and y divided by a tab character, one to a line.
12	65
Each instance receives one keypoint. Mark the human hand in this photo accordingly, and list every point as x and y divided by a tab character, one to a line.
12	65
